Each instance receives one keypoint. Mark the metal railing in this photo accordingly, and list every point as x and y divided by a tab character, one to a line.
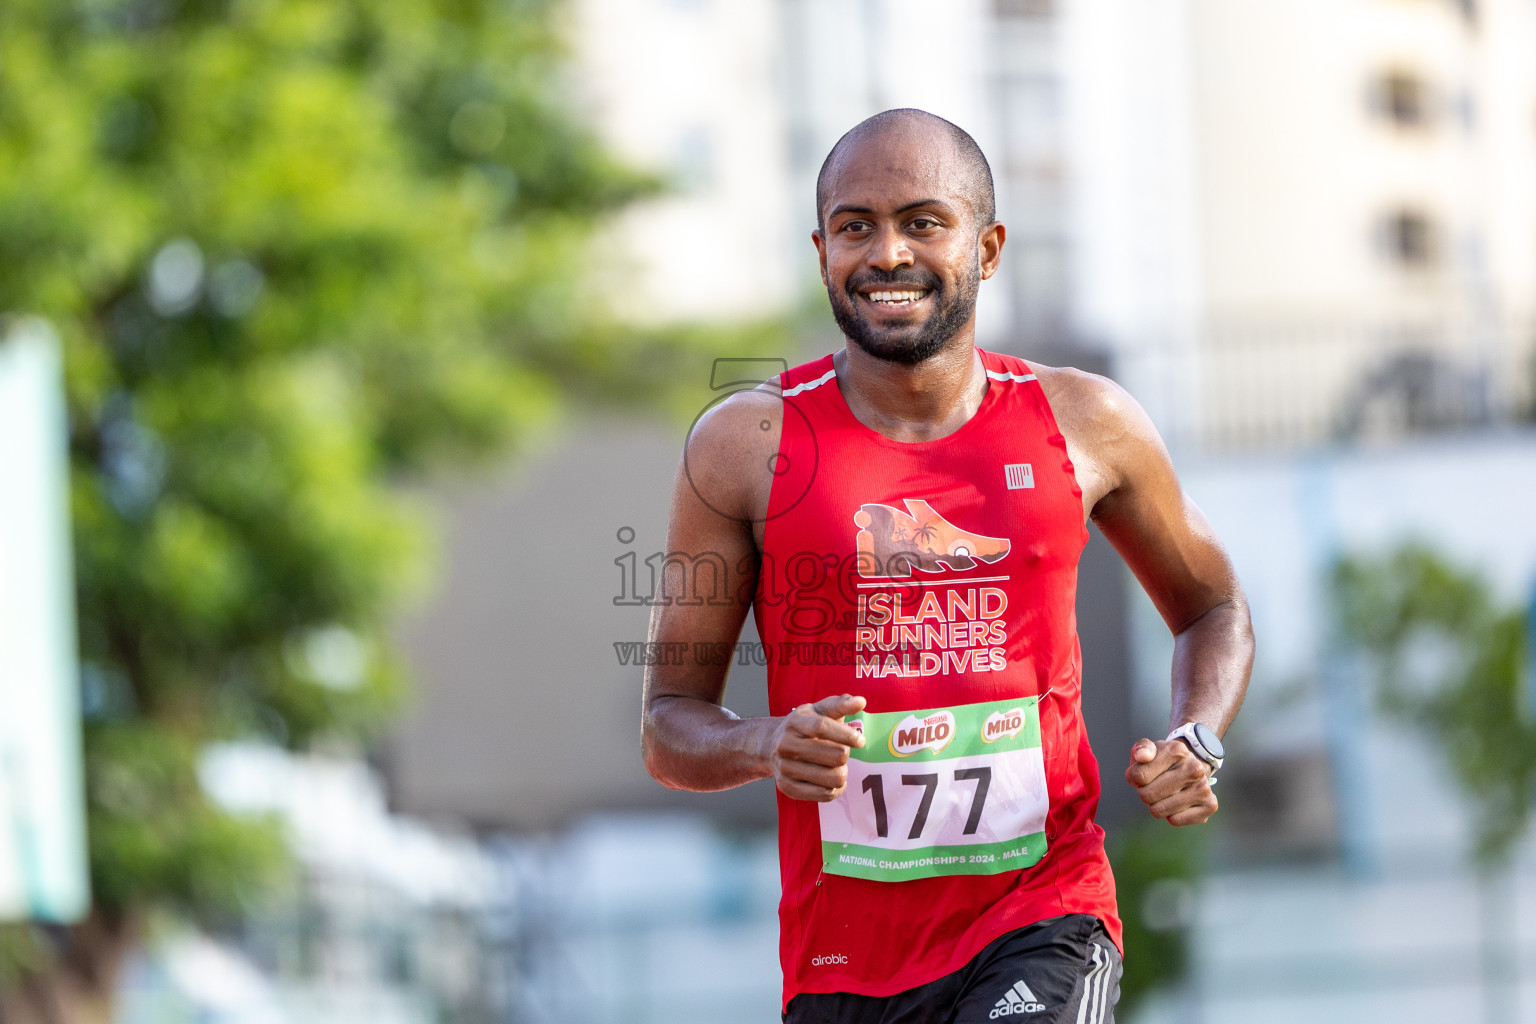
1237	387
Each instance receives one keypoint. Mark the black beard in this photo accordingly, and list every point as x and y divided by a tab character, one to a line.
895	345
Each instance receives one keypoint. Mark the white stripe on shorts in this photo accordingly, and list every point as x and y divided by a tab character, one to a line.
1095	988
1106	982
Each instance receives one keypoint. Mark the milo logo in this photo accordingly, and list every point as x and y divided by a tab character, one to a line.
931	733
1002	723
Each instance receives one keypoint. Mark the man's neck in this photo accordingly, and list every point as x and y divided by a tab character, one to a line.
930	400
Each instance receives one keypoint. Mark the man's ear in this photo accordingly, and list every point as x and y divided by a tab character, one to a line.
820	241
989	247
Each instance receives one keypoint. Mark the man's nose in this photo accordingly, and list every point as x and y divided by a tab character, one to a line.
890	250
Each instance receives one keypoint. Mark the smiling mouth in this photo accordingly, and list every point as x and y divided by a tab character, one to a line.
896	299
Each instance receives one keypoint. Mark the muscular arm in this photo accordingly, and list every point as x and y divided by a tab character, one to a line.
1132	494
1186	572
688	739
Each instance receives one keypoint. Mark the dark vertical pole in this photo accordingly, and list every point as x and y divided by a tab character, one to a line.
1103	628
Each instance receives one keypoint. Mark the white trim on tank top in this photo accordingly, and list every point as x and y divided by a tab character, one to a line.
810	384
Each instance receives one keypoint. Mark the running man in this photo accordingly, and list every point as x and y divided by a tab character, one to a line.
904	518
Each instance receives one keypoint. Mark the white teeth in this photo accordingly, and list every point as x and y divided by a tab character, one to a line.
895	296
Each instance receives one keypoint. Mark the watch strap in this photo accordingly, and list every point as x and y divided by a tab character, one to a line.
1186	732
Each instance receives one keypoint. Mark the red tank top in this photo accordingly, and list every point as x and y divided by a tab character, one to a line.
989	521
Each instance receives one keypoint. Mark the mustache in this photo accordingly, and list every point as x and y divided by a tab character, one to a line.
906	276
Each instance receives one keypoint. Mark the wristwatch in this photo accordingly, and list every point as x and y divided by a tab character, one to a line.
1202	739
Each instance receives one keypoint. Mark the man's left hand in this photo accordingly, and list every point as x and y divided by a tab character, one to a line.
1172	781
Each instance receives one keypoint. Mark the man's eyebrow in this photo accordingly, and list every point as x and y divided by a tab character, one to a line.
937	203
848	208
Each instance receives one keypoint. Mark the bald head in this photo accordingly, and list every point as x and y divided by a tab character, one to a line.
919	129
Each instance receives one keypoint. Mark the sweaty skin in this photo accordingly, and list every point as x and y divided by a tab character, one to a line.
893	212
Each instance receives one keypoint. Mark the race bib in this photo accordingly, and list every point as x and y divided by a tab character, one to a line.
952	791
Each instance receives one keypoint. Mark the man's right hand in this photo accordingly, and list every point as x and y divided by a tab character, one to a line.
809	748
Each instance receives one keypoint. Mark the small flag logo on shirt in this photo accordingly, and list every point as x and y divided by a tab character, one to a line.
1019	476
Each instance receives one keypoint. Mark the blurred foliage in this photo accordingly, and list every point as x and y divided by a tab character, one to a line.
297	251
670	368
23	952
1155	870
1450	659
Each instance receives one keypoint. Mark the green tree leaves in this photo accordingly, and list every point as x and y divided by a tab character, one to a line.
1452	660
298	250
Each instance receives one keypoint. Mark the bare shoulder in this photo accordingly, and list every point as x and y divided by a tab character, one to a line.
741	421
1088	404
1109	436
728	454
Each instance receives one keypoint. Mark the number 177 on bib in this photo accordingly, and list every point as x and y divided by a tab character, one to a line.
948	791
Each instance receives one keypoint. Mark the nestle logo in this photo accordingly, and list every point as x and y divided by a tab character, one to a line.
1019	476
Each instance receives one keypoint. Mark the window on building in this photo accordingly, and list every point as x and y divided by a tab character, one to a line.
1024	8
1402	98
1408	238
1466	110
693	163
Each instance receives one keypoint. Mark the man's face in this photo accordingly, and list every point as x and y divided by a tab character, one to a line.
901	253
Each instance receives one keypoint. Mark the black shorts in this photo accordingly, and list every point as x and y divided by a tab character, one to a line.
1064	970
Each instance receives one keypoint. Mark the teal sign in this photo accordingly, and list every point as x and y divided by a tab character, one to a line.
42	812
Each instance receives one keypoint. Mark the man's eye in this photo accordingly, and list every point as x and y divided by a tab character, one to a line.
924	223
856	225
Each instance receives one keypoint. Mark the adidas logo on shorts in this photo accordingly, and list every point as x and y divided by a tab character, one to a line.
1018	999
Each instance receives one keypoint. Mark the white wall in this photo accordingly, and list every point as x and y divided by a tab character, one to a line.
1295	169
1132	173
691	90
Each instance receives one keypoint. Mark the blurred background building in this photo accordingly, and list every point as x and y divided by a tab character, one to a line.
1302	234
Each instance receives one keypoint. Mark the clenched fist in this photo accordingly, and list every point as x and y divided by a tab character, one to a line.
1172	781
809	749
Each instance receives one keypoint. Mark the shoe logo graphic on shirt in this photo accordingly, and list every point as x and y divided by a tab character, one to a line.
891	543
1018	999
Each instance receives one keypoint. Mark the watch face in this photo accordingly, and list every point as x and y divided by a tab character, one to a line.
1208	740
